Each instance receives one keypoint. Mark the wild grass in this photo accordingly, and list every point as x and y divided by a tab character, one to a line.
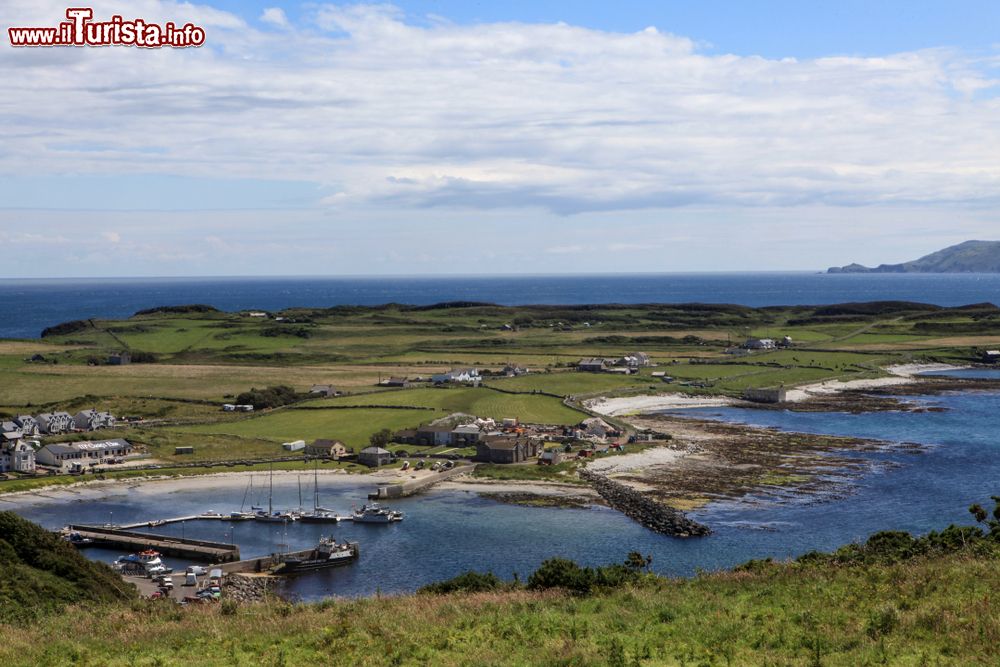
925	611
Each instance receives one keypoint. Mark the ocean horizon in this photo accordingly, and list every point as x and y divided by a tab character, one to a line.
37	303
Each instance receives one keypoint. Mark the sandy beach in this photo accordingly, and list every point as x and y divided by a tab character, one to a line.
237	482
627	405
901	374
632	405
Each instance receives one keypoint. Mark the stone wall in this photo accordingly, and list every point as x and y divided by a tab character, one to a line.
647	512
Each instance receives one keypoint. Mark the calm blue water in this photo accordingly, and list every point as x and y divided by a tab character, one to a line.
446	533
33	305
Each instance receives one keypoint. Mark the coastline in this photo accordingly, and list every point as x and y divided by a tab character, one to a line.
699	449
624	406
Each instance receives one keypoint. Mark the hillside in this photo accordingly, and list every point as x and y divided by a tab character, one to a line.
894	600
968	257
40	573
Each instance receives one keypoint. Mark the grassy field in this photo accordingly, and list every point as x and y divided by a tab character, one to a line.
928	611
202	359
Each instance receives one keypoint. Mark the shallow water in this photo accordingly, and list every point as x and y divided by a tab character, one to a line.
448	532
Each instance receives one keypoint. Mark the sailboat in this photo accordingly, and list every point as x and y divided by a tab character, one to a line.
243	515
272	516
318	514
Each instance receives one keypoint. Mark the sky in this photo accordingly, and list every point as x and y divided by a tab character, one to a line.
449	137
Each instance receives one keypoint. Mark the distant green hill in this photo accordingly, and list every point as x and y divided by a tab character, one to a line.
968	257
39	573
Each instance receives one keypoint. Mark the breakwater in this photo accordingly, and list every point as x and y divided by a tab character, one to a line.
656	516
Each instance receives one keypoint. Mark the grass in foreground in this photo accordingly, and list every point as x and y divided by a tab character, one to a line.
927	611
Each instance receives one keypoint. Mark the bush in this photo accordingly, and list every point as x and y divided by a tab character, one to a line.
562	573
470	582
179	310
271	397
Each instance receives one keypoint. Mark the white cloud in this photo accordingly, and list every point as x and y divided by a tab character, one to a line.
538	120
506	115
275	16
111	237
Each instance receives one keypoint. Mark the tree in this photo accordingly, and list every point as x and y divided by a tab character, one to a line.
381	438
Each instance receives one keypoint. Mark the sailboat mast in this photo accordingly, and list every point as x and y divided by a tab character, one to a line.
316	487
270	492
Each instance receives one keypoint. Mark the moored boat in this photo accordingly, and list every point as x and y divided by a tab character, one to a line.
328	553
375	513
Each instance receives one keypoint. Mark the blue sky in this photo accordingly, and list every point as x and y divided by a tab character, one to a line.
463	137
770	28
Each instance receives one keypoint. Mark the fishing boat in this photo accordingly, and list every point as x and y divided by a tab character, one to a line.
375	513
328	553
318	514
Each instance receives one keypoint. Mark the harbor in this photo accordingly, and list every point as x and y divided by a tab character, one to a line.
195	549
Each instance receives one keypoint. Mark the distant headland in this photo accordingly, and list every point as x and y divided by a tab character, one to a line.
968	257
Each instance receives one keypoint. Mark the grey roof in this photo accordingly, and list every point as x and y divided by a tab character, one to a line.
375	450
61	448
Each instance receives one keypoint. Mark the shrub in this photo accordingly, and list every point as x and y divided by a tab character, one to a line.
271	397
470	582
562	573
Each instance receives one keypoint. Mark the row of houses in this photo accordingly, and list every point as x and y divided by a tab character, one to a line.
55	423
629	363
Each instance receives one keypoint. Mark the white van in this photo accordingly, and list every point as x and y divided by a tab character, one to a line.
190	579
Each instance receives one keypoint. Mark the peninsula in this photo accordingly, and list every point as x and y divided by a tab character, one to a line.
968	257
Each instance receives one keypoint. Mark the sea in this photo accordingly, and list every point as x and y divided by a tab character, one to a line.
31	305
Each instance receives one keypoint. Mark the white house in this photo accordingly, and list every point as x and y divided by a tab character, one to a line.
635	360
53	423
467	375
92	420
27	424
17	456
760	344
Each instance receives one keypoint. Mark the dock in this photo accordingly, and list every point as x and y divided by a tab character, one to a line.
203	550
176	519
412	486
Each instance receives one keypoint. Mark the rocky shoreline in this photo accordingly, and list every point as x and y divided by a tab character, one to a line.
643	510
245	589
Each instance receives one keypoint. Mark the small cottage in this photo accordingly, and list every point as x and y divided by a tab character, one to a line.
374	457
326	449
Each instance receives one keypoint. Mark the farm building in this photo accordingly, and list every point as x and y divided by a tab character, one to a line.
325	448
501	449
374	457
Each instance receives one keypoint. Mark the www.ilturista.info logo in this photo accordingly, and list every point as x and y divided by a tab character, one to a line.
81	30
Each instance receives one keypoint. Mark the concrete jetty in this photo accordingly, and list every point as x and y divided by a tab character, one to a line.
421	483
204	550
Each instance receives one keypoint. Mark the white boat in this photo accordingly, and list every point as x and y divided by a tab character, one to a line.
318	514
273	516
375	513
148	562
